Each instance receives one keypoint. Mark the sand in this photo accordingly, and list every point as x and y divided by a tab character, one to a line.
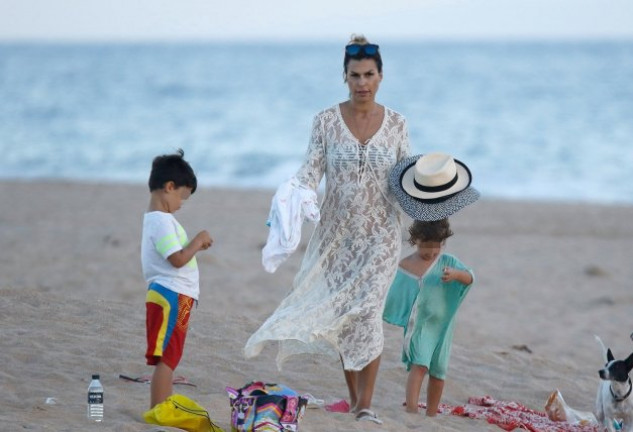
549	277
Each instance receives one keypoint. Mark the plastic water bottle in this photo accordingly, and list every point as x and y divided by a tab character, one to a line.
95	399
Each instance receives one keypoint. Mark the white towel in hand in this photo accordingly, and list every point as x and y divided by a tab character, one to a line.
292	204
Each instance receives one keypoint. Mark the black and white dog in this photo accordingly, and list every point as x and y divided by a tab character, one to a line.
614	402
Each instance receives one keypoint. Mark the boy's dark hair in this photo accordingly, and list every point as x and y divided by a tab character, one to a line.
435	231
172	168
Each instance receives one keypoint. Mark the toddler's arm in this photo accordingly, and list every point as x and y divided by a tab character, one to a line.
201	241
451	274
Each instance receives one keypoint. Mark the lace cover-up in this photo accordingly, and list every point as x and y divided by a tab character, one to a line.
335	305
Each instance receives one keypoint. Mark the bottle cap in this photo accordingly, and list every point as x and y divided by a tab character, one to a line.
95	376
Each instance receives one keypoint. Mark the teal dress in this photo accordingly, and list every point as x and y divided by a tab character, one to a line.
426	307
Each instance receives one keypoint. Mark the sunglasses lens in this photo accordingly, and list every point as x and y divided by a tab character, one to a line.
356	49
352	49
371	49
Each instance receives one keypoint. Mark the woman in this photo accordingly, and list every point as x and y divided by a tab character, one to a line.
336	304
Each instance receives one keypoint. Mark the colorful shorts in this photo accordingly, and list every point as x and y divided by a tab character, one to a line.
167	321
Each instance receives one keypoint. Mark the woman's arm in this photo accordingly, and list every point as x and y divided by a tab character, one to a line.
313	168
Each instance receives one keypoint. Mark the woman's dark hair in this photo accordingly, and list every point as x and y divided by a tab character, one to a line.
360	40
435	231
172	168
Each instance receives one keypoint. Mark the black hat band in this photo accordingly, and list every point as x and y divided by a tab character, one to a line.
439	188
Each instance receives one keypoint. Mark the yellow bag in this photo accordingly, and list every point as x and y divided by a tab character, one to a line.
181	412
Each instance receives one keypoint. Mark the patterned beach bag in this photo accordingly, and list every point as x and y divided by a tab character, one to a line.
259	407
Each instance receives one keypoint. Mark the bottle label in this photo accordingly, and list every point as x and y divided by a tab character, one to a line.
95	397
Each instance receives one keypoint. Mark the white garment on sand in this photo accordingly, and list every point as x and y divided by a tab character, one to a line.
291	205
335	305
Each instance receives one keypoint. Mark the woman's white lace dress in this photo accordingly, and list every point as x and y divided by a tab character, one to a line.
335	305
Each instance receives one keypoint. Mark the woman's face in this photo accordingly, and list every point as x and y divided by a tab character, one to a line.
363	79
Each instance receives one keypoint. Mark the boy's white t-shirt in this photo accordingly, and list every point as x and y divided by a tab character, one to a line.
162	236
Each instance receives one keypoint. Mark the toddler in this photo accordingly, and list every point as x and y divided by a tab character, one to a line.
424	297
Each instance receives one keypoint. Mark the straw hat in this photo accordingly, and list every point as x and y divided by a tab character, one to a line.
432	186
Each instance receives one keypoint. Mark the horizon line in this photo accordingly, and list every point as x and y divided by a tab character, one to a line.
310	40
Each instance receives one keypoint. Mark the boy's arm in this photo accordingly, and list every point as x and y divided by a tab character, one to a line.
201	241
461	276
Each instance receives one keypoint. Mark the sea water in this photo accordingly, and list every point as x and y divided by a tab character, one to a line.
533	120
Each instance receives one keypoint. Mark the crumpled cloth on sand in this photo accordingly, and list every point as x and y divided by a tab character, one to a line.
510	415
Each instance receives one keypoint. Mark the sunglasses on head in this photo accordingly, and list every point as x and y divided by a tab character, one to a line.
358	49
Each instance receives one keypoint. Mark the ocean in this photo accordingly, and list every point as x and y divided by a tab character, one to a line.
533	120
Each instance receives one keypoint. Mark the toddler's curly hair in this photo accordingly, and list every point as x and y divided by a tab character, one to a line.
432	231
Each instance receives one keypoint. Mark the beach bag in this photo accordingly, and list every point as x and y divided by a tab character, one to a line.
181	412
558	410
259	407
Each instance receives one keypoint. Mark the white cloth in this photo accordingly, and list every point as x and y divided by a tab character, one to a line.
335	305
162	236
291	205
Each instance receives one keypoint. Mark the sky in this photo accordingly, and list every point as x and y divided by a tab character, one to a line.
319	20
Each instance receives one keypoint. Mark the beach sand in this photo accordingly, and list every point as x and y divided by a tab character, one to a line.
548	277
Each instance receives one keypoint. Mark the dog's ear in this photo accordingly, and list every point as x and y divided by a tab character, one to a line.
610	355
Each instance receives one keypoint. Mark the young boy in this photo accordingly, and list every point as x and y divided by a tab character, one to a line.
170	269
424	297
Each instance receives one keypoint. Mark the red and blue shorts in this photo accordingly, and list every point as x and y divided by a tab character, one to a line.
167	321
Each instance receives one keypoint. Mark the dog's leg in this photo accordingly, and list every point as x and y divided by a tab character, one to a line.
599	408
610	425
